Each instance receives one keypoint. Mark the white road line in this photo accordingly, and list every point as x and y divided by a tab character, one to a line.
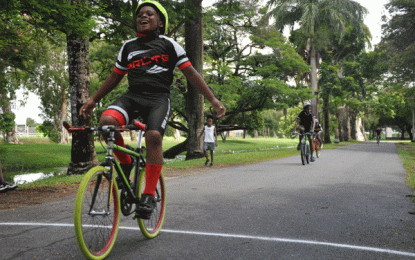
274	239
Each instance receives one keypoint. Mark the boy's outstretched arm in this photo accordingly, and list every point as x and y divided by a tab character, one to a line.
216	136
107	86
197	82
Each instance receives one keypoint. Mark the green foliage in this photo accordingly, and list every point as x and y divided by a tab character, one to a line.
102	58
7	121
249	75
69	17
399	38
30	122
287	125
48	130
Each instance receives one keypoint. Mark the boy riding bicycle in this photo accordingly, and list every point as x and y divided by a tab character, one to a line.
306	121
318	130
149	60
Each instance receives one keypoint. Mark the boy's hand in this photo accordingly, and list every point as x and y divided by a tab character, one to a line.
87	108
218	107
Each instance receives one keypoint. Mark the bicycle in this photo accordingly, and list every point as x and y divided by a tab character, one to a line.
99	201
378	139
317	145
304	148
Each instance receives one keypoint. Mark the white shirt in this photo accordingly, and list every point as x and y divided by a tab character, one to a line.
209	134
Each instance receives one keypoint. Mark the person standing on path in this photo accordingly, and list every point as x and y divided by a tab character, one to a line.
210	141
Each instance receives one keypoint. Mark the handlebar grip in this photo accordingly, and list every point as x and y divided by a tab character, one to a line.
140	125
66	125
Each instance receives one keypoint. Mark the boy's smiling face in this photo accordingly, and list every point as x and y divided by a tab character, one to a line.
209	121
147	19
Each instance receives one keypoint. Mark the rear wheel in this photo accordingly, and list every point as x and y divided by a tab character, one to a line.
150	228
317	148
97	213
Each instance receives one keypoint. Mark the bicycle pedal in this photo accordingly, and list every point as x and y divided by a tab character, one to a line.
146	217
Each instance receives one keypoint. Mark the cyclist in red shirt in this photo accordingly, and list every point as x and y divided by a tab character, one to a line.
318	130
149	60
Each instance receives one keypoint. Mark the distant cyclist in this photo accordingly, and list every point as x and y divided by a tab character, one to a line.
306	120
318	130
378	132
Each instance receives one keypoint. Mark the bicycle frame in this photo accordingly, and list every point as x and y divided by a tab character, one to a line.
99	202
112	163
304	146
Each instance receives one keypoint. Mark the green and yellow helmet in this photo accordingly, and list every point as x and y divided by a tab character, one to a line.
160	9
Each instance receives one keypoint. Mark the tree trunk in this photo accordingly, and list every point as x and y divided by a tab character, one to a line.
10	134
243	120
63	116
360	130
352	118
346	124
175	150
326	116
133	136
83	156
339	115
194	100
313	80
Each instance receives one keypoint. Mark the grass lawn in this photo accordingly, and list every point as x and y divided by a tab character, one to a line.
407	155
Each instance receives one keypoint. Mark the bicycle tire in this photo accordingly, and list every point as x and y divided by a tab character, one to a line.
307	154
317	148
303	154
150	228
96	233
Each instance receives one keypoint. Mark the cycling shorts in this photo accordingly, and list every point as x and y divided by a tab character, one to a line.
152	109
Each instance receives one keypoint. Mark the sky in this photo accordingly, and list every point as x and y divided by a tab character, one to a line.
372	20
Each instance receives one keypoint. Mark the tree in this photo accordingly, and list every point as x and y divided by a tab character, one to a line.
250	75
194	100
50	82
399	38
247	66
394	106
314	18
30	122
74	19
17	49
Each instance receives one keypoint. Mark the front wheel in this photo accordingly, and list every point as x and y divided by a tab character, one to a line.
97	213
150	228
308	154
303	154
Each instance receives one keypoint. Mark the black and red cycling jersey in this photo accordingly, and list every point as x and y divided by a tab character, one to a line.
149	62
306	120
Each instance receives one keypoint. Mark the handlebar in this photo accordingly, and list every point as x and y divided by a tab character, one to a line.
308	133
137	125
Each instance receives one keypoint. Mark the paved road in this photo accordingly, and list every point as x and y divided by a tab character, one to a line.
350	204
